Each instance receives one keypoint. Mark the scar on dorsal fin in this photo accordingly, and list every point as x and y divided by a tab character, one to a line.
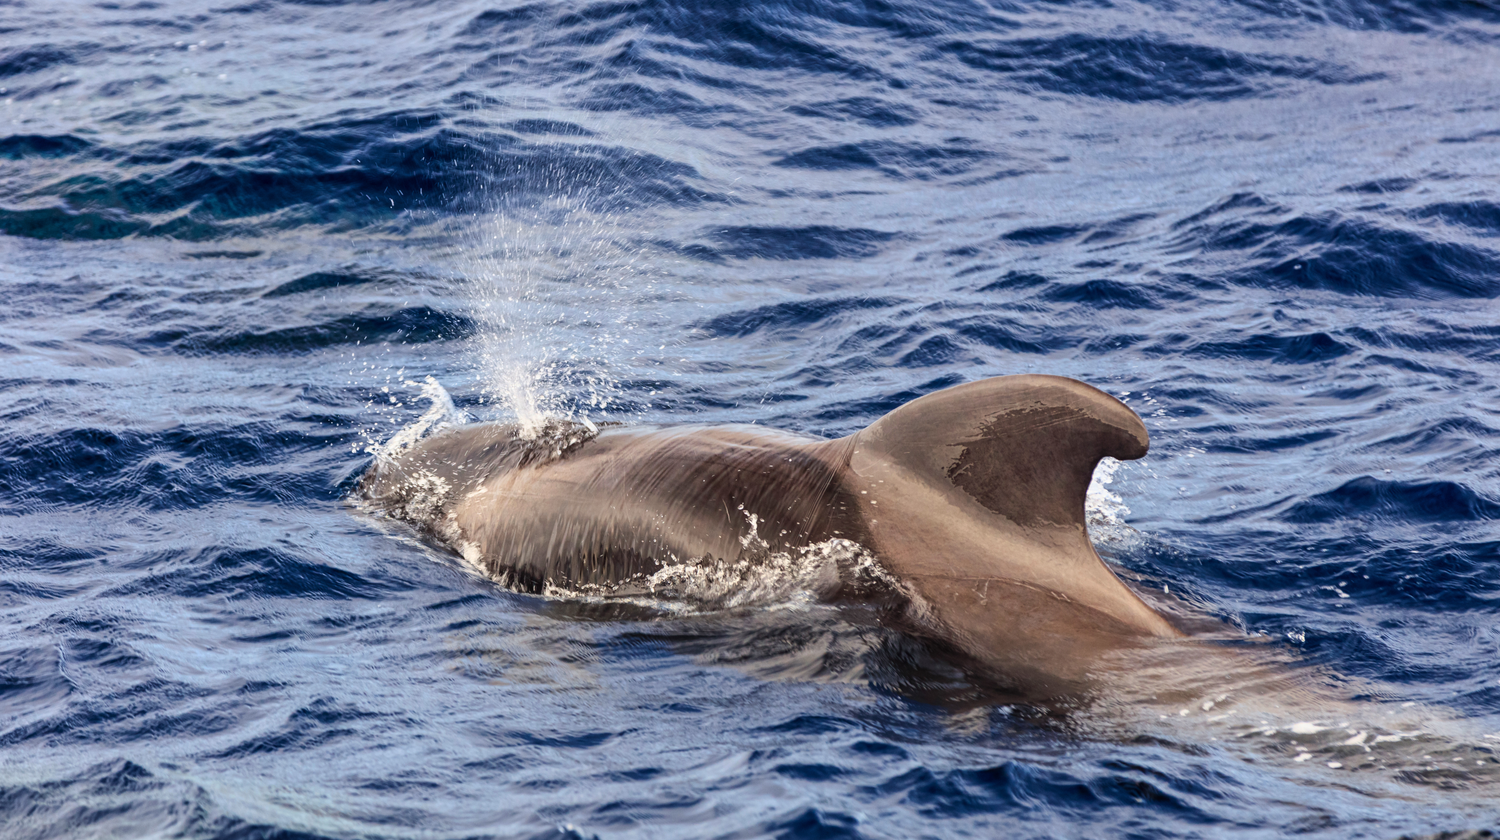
1023	447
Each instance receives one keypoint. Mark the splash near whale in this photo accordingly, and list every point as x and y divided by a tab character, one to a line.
971	499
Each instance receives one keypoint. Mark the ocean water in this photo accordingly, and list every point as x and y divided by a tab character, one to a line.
237	240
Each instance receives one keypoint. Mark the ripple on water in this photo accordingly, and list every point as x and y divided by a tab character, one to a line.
234	241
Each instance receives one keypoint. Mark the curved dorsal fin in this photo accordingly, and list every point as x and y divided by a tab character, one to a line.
1024	447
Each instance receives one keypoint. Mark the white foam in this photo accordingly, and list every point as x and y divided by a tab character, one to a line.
1104	510
781	579
759	577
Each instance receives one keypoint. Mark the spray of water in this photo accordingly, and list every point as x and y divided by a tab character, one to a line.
558	294
441	413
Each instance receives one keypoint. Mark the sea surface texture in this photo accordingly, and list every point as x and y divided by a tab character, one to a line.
245	244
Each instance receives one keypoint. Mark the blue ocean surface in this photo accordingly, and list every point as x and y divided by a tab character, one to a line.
240	240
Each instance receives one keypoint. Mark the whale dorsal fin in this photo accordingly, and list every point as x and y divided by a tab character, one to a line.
1023	447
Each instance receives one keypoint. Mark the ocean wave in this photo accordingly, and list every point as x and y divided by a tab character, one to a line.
804	243
1287	349
895	160
790	314
869	110
1478	215
349	173
1109	294
159	470
1335	252
1371	498
323	280
409	324
1144	68
223	572
22	146
19	61
1393	15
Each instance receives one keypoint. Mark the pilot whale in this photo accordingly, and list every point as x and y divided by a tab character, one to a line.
971	499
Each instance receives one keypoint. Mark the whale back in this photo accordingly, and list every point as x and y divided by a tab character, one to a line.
972	497
570	506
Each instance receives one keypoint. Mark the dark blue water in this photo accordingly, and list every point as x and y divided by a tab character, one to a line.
239	236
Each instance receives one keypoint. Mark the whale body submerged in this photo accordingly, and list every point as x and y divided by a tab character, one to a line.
971	498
